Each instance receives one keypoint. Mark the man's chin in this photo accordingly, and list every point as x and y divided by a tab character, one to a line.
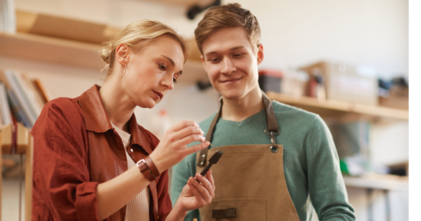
232	95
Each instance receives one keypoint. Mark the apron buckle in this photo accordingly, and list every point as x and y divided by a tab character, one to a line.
274	148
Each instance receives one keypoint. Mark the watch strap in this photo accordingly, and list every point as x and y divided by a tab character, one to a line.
148	168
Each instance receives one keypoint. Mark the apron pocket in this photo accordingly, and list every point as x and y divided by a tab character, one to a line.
238	209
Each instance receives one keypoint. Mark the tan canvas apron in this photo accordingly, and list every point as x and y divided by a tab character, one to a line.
249	179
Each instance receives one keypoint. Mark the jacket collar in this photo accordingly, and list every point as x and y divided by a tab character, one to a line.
96	119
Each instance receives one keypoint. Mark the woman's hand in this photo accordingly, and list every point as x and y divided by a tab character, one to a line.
172	147
197	193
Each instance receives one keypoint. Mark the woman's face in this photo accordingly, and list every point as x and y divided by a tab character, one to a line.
152	71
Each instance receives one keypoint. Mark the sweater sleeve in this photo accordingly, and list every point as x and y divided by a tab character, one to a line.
61	174
325	182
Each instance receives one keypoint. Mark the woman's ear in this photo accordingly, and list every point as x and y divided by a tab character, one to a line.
122	54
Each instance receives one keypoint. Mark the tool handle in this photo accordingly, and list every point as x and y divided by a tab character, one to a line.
205	170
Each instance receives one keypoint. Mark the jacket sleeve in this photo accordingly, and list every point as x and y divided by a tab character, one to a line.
326	185
61	174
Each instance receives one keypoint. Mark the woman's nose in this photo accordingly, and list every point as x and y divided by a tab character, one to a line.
168	81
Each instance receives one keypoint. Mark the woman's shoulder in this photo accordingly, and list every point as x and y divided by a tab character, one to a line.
62	109
63	105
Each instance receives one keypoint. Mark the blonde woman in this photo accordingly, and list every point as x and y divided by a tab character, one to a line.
92	161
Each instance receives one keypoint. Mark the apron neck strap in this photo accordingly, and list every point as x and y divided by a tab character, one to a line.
272	125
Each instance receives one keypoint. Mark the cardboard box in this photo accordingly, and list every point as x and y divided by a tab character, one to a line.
398	98
343	83
270	80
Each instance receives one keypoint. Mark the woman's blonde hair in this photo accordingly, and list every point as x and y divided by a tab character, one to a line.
137	35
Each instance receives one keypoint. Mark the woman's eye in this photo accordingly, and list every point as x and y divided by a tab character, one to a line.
162	67
174	79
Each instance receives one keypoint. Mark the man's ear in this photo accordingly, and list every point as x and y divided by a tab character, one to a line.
203	61
260	54
122	54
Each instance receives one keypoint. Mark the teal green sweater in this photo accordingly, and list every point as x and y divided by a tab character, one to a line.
311	162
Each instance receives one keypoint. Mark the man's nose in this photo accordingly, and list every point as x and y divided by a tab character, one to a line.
227	66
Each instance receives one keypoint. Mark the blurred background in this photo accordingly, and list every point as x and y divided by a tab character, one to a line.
345	60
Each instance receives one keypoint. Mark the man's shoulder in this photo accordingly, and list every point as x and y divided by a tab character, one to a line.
291	111
295	117
205	124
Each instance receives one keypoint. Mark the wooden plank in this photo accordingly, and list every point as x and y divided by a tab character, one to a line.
187	3
336	108
28	177
377	181
6	137
1	163
22	140
54	50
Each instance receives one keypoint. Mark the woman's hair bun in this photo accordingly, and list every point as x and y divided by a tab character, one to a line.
105	54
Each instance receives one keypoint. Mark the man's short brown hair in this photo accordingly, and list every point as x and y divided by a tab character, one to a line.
228	16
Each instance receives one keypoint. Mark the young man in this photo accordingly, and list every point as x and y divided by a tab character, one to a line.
279	161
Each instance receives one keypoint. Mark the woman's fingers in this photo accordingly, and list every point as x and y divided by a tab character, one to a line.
185	132
182	124
194	148
193	187
210	178
207	184
204	193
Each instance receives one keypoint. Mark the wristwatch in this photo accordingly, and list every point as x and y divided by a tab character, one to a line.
148	168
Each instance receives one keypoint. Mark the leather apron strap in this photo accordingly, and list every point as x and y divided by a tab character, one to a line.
272	128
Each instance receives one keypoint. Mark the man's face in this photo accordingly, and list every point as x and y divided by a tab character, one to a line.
231	63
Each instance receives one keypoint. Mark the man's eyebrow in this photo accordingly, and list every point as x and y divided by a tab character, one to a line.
172	62
232	49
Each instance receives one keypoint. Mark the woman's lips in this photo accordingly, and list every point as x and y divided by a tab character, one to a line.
158	94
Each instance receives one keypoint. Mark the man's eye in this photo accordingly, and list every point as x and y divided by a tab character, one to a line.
214	59
174	80
238	55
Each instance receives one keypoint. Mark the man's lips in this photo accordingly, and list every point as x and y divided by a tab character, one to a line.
230	80
159	94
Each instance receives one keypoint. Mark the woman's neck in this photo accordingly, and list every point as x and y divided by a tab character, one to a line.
240	109
116	102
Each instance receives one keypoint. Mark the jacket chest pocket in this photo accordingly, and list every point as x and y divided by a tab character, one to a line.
238	209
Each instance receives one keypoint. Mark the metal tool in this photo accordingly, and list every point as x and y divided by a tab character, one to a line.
213	160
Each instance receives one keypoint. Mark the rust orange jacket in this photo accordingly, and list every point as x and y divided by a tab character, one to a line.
75	149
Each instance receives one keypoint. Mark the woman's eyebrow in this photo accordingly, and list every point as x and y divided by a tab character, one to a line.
169	59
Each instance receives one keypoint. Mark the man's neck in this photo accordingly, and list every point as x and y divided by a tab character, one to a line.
240	109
